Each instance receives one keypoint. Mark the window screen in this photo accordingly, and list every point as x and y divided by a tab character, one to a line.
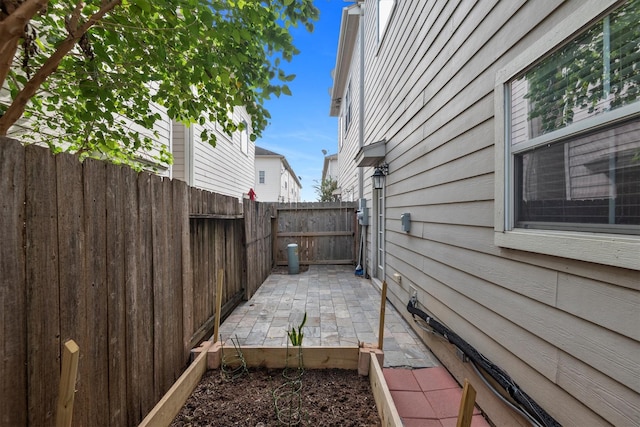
575	131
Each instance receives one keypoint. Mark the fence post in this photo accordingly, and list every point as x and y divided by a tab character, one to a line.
67	390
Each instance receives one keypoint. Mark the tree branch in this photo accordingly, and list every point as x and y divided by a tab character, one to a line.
15	111
11	29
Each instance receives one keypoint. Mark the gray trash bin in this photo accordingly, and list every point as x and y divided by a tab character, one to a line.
292	256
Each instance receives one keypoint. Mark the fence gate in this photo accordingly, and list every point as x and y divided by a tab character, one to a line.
325	232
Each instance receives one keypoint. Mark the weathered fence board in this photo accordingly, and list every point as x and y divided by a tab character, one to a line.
43	320
116	290
71	236
13	298
259	243
324	232
110	258
97	339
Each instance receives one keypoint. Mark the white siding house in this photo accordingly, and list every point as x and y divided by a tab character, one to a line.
227	168
275	181
523	240
330	167
347	103
160	135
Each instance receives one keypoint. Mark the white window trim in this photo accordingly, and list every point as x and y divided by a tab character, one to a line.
608	249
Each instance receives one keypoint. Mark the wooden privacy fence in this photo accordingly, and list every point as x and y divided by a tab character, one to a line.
122	262
259	220
325	232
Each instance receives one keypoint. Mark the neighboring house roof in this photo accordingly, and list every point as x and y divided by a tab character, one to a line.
263	152
325	169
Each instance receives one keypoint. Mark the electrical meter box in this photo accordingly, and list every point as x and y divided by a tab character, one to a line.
363	212
405	219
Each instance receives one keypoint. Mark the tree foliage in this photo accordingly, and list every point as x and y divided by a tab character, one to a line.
325	190
585	76
87	72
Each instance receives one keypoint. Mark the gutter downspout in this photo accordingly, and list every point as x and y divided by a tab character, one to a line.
361	128
361	95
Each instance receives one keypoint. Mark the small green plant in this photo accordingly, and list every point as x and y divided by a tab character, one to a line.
296	335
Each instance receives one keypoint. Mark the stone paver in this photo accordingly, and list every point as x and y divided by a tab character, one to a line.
342	309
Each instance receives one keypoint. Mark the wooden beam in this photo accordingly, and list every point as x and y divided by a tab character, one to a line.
319	262
383	304
206	330
366	353
169	406
218	308
384	402
214	216
466	405
298	207
275	357
67	390
314	233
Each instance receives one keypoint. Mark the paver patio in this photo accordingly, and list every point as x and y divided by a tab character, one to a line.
342	309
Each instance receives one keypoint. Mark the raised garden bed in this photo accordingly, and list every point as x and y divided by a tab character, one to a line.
270	360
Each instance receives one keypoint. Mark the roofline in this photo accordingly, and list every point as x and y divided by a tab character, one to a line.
348	33
284	161
325	166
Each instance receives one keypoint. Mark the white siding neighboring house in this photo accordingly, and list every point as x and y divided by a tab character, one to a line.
554	301
275	181
330	167
227	168
148	159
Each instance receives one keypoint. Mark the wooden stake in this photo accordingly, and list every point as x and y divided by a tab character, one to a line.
169	406
466	405
67	390
383	304
216	325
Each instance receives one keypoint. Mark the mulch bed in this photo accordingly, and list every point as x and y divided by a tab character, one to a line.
330	397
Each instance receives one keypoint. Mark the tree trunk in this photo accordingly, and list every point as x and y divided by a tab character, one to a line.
7	29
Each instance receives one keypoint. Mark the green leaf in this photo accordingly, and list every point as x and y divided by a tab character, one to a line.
224	51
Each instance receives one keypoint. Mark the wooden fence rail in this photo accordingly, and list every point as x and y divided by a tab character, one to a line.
326	233
121	262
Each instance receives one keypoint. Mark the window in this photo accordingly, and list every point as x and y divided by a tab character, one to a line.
385	7
347	109
261	177
568	150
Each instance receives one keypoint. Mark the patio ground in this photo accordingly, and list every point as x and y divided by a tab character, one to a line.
343	309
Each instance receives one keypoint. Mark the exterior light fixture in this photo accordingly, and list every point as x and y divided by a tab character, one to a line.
378	176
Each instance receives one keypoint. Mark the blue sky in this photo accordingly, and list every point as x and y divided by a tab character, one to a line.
300	126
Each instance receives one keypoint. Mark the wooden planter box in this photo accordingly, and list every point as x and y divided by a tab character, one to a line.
209	356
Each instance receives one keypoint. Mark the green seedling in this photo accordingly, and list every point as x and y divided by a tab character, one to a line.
296	335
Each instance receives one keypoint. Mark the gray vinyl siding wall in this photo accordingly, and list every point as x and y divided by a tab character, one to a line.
567	331
348	174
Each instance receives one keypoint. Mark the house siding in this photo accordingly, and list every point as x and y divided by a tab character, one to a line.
565	330
280	185
179	153
270	190
223	169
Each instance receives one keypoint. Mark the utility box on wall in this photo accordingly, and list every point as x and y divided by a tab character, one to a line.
363	212
405	219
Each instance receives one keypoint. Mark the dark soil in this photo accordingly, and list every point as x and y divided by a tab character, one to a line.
329	397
